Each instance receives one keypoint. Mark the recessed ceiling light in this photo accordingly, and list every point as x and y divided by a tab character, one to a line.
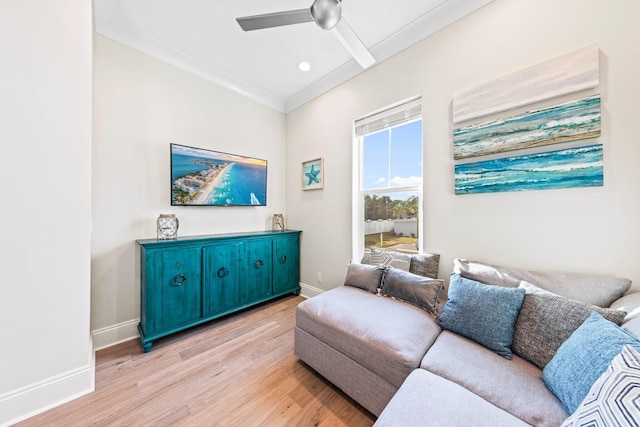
304	66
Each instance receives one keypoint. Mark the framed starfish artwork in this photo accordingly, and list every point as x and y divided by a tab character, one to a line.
313	174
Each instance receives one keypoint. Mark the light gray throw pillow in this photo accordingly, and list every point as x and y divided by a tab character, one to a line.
547	320
387	259
595	289
417	290
378	257
365	276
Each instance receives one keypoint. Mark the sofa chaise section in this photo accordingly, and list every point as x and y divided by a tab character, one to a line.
384	337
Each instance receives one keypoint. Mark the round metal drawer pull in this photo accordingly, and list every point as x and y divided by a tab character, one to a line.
223	272
259	264
283	259
180	280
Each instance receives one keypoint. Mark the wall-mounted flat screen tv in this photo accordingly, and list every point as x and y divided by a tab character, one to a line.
201	177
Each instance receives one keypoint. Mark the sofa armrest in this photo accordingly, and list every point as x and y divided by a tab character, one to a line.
629	303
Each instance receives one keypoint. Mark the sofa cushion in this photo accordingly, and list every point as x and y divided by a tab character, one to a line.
512	385
385	336
581	360
364	276
427	399
614	399
420	291
592	289
486	314
546	320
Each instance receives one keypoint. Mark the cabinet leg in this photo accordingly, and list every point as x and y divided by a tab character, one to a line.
146	345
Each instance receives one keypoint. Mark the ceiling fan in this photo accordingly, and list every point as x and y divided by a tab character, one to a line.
327	14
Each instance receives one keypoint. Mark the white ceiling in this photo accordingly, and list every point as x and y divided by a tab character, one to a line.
203	37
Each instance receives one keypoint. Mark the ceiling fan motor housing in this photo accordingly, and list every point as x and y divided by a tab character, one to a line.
326	13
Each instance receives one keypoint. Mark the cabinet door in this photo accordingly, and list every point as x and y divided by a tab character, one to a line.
256	284
177	288
221	274
285	264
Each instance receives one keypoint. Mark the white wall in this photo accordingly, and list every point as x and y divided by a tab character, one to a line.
585	229
45	134
141	106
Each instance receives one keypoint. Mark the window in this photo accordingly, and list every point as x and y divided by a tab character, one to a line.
387	177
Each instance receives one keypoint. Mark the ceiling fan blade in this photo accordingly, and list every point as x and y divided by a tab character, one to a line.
354	45
258	22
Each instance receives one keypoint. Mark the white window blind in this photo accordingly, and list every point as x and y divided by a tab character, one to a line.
392	116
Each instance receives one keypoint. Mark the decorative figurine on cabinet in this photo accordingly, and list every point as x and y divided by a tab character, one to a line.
167	226
277	223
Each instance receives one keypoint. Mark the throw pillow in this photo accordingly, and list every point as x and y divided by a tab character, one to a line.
366	258
546	320
421	264
614	399
592	289
364	276
389	259
400	261
425	265
379	257
417	290
484	313
582	358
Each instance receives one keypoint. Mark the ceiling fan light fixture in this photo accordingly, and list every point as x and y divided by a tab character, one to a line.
326	13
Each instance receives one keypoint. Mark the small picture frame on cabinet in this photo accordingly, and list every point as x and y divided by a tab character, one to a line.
313	174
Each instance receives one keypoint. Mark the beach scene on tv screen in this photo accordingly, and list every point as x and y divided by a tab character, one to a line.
205	177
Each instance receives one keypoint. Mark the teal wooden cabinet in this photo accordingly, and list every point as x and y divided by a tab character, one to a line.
191	280
176	290
286	263
221	279
258	271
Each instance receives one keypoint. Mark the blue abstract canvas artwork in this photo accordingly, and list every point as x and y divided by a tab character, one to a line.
570	73
568	168
569	121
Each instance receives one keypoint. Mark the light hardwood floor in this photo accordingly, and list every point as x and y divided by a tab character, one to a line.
236	371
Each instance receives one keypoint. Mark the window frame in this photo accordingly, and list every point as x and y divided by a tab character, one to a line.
358	192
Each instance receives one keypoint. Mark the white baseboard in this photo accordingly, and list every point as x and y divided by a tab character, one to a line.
115	334
125	331
23	403
309	291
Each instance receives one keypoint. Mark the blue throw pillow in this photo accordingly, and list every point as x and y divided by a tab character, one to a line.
582	359
614	398
484	313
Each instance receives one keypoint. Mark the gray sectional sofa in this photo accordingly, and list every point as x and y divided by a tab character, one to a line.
386	347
